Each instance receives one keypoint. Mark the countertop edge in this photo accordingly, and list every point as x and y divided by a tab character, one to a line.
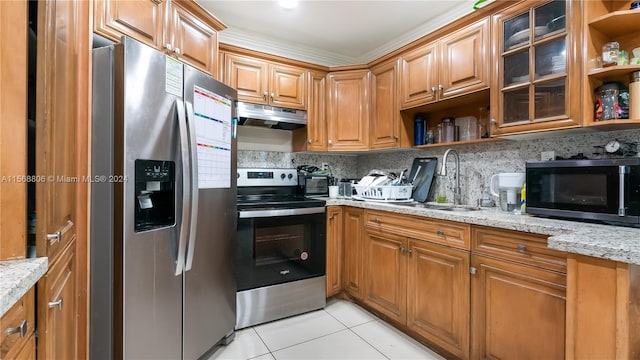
17	277
601	241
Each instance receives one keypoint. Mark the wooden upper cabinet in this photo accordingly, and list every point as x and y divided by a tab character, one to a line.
348	110
142	20
194	41
385	110
181	28
314	136
249	76
465	64
419	76
262	82
455	65
287	86
537	82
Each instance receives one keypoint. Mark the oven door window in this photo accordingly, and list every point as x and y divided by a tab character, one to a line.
280	249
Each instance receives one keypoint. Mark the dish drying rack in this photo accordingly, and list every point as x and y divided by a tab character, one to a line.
389	193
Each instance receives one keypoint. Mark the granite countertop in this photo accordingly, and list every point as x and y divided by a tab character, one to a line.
603	241
17	277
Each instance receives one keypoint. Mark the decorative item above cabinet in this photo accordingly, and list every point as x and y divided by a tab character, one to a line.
536	85
181	28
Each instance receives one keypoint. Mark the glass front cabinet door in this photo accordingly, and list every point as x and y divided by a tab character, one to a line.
536	75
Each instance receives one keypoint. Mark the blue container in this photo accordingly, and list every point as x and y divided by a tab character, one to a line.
418	130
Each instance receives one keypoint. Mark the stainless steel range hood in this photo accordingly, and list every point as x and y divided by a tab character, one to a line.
270	116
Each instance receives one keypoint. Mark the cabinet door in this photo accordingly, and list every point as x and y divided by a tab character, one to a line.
316	132
516	310
13	132
386	269
537	81
464	65
334	250
142	20
353	241
57	309
385	111
249	76
348	116
419	76
194	41
438	295
287	87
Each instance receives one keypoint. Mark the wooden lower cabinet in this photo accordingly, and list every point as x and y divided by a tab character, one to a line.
386	269
517	311
603	309
57	309
17	334
438	295
353	247
334	250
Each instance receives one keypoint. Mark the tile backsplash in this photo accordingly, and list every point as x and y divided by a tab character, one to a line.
477	161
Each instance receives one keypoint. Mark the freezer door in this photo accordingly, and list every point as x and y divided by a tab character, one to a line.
209	308
146	116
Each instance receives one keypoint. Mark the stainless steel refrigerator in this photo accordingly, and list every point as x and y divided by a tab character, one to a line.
163	213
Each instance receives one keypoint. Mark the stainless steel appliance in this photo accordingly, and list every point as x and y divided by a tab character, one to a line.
272	117
281	247
313	185
163	213
601	190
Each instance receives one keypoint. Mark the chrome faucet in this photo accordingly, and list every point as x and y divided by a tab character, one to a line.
443	172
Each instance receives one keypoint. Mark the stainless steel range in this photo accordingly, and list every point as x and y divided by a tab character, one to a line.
281	247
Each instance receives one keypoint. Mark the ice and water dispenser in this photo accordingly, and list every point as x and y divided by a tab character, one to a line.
155	194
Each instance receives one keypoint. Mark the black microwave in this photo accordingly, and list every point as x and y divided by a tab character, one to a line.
313	185
605	190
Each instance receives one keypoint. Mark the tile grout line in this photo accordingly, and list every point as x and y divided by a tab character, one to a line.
264	343
366	342
306	341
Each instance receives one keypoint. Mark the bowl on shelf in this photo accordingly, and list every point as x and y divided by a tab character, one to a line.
636	52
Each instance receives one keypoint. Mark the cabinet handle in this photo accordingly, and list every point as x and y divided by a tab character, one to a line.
377	220
408	251
433	89
272	96
395	137
402	250
20	329
309	141
440	87
492	121
521	248
440	233
53	304
177	51
168	46
472	270
55	237
264	95
330	142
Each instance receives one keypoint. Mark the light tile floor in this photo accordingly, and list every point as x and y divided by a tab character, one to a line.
342	330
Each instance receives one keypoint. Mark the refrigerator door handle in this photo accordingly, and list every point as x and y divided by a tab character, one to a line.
194	185
186	187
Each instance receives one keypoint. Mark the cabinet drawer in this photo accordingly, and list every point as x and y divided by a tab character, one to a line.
530	249
19	321
438	231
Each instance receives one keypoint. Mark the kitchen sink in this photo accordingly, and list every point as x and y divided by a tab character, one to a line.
445	207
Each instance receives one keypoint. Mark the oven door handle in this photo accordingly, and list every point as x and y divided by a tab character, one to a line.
247	214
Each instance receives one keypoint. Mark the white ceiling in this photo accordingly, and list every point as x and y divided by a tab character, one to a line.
332	32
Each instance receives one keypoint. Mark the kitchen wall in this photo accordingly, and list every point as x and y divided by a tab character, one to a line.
477	162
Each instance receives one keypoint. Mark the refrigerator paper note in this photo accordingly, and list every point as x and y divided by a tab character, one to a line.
213	135
174	76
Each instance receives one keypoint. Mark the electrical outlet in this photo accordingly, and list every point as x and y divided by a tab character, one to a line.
548	155
325	166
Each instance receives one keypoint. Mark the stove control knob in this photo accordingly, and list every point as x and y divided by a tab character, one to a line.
282	176
290	176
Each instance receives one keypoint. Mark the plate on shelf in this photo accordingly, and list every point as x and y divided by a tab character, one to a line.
516	79
523	35
356	197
